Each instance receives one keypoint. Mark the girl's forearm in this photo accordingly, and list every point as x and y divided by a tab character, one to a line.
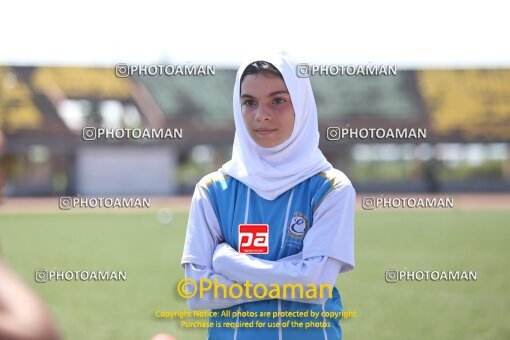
241	267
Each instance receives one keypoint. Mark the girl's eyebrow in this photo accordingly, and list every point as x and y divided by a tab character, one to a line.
245	95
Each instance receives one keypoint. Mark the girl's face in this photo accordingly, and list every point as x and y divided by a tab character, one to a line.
267	110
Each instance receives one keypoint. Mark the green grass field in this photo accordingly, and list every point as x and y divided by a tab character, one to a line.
150	253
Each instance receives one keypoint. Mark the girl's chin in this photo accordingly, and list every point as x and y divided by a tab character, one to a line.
267	143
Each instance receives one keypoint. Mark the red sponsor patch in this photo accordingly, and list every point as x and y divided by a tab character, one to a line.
253	238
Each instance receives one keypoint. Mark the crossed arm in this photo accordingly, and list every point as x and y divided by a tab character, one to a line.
228	266
231	267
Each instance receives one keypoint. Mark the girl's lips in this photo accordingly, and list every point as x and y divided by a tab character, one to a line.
264	132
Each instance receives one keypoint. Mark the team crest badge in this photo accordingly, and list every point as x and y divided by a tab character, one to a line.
298	226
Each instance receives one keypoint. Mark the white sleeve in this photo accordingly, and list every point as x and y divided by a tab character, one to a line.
332	233
209	301
203	233
294	269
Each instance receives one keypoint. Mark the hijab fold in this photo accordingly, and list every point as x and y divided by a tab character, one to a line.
272	171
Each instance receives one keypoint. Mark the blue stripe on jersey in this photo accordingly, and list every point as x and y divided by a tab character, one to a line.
229	201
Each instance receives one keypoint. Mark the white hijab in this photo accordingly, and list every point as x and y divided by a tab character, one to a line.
272	171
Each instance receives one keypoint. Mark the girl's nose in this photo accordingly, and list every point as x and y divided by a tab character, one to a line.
263	114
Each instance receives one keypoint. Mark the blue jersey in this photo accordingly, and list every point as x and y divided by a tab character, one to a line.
235	204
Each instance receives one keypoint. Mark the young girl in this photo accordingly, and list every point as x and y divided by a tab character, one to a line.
277	178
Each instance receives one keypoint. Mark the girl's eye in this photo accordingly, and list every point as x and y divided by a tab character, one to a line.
248	102
279	100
